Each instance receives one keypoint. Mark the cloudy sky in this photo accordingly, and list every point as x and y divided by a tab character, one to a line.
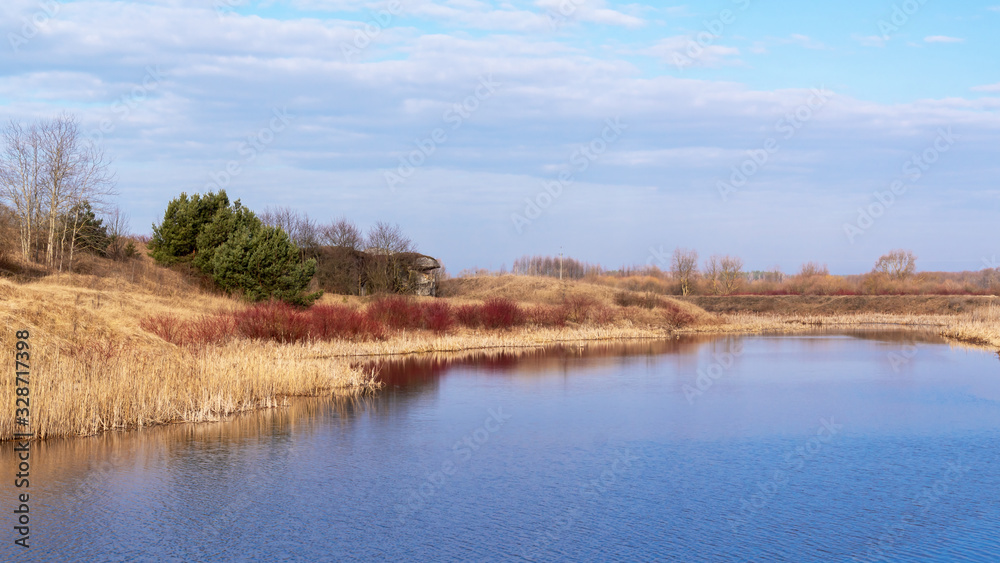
777	131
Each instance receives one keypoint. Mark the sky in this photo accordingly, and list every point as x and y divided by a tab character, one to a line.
613	132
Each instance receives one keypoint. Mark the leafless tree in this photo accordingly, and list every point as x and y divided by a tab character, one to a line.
713	274
684	268
119	246
46	168
384	266
342	233
897	264
810	269
73	170
300	228
731	273
21	169
386	239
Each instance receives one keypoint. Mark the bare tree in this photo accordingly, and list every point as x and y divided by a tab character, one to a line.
384	267
300	228
810	269
46	169
897	264
119	246
342	233
684	268
713	273
731	273
21	169
387	239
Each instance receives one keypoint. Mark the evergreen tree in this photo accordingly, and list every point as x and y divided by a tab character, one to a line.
263	264
176	238
91	233
226	221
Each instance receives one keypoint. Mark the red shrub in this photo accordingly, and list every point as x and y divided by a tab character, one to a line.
579	307
469	315
438	316
272	321
396	312
545	315
166	327
675	316
210	329
500	312
330	322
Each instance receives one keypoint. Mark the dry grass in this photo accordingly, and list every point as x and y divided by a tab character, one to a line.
94	369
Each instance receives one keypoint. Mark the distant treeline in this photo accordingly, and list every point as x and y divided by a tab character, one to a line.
894	273
554	266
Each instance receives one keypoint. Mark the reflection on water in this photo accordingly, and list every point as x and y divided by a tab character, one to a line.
821	446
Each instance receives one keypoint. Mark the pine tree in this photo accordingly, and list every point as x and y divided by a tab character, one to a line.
263	264
176	238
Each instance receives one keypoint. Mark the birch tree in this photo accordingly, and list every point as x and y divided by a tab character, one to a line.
20	179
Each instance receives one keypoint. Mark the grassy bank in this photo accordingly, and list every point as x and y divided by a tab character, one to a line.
100	361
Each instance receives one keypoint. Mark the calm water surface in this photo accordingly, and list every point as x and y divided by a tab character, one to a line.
823	447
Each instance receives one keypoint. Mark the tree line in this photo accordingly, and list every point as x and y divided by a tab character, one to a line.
279	253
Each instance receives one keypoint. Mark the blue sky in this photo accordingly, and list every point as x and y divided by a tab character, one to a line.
646	111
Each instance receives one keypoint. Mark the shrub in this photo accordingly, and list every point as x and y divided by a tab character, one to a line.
329	322
396	312
675	316
469	315
166	327
646	300
210	329
438	316
502	313
274	320
578	307
545	315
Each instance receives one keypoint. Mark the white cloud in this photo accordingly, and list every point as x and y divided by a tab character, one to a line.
805	41
684	51
942	39
987	88
869	40
593	11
